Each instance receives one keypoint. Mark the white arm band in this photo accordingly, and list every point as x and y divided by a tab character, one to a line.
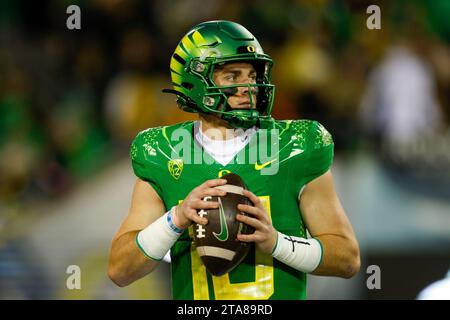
156	239
299	253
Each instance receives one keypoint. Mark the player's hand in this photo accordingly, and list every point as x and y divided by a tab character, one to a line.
265	235
186	212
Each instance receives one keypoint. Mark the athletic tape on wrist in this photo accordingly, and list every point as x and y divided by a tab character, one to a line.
171	221
156	239
299	253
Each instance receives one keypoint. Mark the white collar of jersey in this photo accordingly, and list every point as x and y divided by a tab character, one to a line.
223	151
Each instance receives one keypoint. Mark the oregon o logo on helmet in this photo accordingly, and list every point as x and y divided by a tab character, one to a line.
250	48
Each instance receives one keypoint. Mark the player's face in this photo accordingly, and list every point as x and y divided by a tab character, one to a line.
237	73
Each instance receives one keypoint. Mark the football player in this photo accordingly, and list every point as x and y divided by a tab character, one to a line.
220	71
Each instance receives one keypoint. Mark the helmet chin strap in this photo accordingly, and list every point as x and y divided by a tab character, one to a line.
234	120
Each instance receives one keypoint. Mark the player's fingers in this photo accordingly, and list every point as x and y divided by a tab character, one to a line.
247	237
213	183
212	192
252	222
206	185
253	198
249	209
194	216
258	213
200	204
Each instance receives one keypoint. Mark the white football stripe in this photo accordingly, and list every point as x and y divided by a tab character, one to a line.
216	252
231	189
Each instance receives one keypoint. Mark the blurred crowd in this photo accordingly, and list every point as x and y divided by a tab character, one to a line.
71	101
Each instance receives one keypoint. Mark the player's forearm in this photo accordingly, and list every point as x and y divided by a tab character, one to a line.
340	257
126	262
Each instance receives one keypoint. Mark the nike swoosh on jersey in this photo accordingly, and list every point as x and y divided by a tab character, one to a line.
265	164
223	235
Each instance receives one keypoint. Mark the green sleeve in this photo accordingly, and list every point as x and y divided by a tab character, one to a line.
320	152
144	159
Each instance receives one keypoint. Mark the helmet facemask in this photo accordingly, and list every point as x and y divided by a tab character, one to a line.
215	98
199	53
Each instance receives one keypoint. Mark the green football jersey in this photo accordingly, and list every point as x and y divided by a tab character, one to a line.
275	165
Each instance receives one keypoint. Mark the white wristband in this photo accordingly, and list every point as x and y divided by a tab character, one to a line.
156	239
299	253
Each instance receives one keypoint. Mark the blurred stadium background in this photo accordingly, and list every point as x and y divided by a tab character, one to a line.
71	101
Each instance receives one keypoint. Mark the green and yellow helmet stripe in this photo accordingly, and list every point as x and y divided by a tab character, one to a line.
198	39
182	52
189	45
